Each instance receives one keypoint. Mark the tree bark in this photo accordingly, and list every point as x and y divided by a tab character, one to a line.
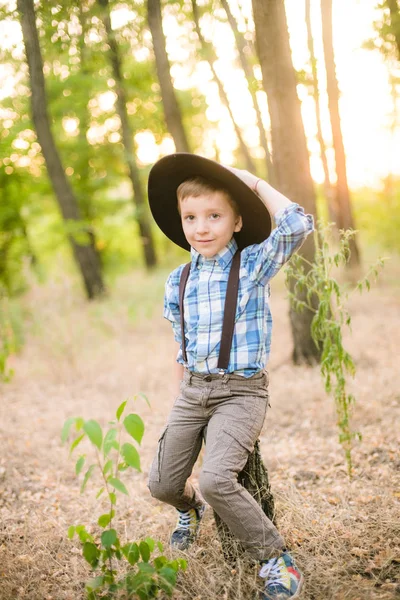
173	116
252	86
291	159
343	202
211	58
330	199
85	255
254	478
141	214
395	22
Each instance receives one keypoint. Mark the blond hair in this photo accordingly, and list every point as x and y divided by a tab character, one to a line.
197	186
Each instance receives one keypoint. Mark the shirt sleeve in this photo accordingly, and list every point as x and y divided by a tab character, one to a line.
171	304
266	259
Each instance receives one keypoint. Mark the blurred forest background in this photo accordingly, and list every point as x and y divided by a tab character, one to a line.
305	93
126	82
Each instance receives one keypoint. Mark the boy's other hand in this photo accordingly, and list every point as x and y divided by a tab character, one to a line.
247	177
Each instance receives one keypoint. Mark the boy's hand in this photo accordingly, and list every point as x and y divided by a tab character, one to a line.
247	177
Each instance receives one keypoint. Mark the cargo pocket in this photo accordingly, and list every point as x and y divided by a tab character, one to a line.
155	472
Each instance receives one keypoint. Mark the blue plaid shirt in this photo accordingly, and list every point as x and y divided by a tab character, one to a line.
205	297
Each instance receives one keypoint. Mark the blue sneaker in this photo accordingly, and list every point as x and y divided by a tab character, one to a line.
283	579
187	527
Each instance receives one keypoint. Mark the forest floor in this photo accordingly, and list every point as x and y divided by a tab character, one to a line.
85	359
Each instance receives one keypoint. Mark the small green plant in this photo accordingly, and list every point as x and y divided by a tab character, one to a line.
9	342
317	290
121	570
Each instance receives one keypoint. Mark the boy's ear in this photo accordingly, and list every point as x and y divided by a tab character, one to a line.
238	225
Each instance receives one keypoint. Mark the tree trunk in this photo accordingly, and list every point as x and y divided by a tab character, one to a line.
252	85
172	111
211	58
291	159
395	22
141	214
330	199
345	220
85	256
254	478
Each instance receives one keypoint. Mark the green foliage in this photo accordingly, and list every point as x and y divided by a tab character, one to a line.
377	214
10	334
325	297
120	569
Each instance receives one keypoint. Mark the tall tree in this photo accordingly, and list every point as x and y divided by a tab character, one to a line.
315	89
85	255
211	57
344	213
291	158
394	12
172	111
252	86
142	217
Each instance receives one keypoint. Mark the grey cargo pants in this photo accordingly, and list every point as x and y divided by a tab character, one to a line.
229	411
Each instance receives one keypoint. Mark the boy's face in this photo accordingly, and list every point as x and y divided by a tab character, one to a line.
209	222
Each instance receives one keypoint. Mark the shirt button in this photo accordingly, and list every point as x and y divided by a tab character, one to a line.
207	378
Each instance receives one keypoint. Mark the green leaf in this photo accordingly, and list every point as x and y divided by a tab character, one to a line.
76	442
105	519
86	477
109	440
134	426
71	531
131	553
131	456
120	410
79	423
144	551
66	429
108	538
145	398
113	498
151	543
91	554
79	464
94	433
99	493
107	467
118	485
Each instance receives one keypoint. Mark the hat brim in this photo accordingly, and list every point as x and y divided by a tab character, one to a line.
170	171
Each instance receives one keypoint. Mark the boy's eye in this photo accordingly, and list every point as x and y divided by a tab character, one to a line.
189	217
215	216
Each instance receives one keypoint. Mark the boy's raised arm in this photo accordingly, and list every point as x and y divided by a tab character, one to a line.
273	200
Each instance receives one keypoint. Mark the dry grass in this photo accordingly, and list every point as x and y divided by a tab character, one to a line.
82	359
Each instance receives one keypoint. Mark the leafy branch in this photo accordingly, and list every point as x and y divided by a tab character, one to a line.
317	290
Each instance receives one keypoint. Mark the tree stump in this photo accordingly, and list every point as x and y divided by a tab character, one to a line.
254	478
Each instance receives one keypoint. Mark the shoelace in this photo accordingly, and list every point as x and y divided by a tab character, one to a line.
272	570
184	519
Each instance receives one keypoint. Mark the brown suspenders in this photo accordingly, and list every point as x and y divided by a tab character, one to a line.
229	311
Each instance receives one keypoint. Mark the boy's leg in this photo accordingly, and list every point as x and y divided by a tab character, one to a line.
232	430
178	448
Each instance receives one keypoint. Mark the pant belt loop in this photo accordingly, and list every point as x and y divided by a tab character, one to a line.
225	378
190	377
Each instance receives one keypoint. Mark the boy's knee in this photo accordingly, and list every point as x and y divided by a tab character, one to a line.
162	491
211	485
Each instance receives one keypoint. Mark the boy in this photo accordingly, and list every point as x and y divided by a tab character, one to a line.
214	211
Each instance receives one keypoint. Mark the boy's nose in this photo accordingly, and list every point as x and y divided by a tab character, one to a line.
202	226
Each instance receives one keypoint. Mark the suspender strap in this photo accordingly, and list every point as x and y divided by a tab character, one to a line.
229	314
182	286
229	311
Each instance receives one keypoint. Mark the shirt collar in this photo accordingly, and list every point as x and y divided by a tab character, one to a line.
223	258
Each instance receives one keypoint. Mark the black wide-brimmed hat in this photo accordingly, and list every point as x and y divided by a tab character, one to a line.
170	171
